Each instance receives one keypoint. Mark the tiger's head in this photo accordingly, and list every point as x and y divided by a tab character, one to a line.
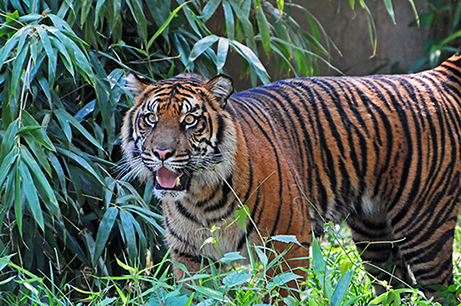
178	133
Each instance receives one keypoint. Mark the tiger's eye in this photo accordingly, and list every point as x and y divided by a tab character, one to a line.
189	120
150	118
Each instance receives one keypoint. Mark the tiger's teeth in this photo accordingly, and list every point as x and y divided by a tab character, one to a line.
177	182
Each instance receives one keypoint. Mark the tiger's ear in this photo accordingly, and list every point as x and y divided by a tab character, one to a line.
135	83
221	86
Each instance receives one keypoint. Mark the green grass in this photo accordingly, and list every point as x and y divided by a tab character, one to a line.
335	277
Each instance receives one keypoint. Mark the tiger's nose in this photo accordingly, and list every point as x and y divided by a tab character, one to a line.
163	153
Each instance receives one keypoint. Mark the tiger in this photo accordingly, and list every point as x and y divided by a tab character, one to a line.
380	152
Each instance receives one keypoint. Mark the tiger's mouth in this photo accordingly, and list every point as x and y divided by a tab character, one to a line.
170	180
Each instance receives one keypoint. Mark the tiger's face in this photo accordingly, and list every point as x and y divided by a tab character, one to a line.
178	133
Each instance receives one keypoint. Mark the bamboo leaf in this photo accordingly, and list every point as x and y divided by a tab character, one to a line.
201	46
29	190
282	279
138	14
64	54
127	221
7	162
252	59
82	163
209	9
164	25
5	51
85	10
18	198
66	118
40	133
104	230
9	138
211	293
35	168
263	30
99	6
341	289
65	124
390	10
229	17
223	48
35	147
50	52
60	173
245	22
19	70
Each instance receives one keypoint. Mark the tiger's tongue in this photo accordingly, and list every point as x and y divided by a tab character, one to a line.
167	178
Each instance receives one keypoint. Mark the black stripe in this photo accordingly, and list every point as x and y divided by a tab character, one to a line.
183	211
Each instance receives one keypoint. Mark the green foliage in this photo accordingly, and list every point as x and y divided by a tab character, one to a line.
336	277
443	33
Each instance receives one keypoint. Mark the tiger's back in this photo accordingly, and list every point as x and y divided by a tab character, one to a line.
381	151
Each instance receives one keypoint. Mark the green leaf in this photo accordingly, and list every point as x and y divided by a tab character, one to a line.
211	293
29	190
35	147
5	260
229	17
280	5
164	25
282	279
6	164
81	63
126	267
127	221
230	257
202	46
286	239
264	30
99	6
244	21
209	9
85	10
5	51
262	256
18	198
320	268
415	11
52	203
63	53
9	138
65	118
50	51
60	173
136	10
241	216
252	59
341	289
82	163
390	10
223	48
104	230
39	134
65	125
237	278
